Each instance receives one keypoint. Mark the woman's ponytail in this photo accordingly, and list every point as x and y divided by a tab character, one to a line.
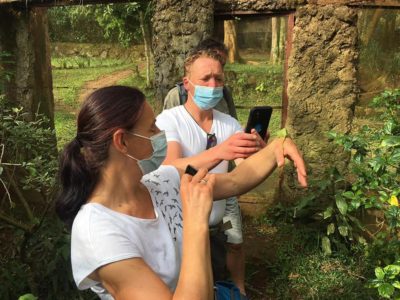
77	182
103	112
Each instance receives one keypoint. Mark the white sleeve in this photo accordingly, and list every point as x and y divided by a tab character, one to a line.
166	121
237	126
95	243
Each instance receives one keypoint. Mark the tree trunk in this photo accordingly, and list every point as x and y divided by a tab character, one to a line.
24	34
274	55
282	39
230	41
372	25
178	26
147	51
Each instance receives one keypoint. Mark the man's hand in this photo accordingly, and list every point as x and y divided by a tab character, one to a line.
261	142
239	145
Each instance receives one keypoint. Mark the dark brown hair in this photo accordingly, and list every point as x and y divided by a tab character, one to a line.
103	112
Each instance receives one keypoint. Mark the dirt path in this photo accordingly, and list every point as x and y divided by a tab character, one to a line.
103	81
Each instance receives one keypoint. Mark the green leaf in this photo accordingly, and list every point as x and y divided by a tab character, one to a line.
386	290
330	229
28	297
390	141
341	204
362	240
326	246
328	212
396	284
348	195
1	170
392	270
343	230
379	273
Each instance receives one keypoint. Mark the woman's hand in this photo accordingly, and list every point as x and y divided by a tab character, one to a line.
286	148
197	197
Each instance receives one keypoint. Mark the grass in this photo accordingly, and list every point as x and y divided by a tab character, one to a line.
293	266
67	84
139	82
65	124
256	85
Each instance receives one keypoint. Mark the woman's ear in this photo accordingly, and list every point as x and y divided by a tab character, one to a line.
119	141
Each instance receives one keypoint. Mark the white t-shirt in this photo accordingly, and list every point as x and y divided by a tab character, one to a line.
180	127
101	236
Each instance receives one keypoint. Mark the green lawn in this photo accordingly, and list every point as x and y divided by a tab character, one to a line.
256	85
67	83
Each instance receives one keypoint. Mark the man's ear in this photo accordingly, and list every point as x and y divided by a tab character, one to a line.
186	82
119	141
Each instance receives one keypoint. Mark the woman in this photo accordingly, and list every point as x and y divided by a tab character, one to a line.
128	240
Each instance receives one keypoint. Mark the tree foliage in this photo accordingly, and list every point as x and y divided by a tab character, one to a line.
99	23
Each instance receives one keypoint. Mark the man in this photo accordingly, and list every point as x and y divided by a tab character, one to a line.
201	136
178	94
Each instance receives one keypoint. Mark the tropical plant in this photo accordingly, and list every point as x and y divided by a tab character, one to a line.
387	281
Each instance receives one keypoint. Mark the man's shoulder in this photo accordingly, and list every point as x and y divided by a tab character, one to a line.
224	117
174	113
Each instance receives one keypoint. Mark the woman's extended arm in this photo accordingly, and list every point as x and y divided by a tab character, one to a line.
258	167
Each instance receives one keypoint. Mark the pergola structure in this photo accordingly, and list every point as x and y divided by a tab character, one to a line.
320	71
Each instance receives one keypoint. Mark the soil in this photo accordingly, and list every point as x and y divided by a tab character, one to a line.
103	81
260	248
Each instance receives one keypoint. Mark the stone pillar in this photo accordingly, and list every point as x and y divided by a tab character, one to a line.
24	35
177	27
322	84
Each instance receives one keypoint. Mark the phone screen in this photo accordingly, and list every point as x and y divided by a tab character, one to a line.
259	118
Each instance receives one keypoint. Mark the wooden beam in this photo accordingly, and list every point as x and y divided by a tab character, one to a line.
52	3
219	6
227	15
359	3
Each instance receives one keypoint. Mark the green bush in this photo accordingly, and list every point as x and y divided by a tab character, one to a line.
372	184
34	246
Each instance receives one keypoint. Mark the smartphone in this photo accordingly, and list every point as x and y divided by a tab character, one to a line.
190	170
259	118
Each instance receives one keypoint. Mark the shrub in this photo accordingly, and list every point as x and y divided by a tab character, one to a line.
340	201
34	246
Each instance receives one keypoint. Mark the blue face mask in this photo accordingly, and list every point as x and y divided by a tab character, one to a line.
159	144
206	97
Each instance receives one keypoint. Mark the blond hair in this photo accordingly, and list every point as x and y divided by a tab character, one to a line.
193	56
